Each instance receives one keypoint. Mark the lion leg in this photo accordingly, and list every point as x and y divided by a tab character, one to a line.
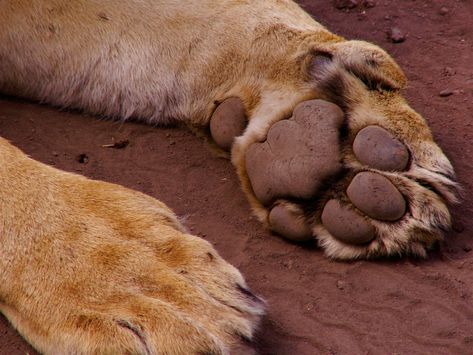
90	267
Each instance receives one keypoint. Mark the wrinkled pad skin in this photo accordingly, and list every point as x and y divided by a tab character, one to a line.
379	149
345	224
376	196
227	122
289	225
298	154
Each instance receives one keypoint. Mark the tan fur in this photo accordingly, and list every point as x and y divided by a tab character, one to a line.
83	263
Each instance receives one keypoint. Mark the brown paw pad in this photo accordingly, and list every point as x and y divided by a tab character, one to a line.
345	224
227	122
379	149
376	196
298	154
289	225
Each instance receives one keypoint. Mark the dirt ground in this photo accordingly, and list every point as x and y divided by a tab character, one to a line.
316	306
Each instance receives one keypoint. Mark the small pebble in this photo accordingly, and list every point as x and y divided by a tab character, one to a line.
449	71
361	16
443	11
346	4
396	35
458	227
341	285
82	158
369	3
446	93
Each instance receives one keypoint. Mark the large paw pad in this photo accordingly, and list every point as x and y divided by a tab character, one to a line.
298	155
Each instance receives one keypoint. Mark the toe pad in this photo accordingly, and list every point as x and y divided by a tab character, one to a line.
345	224
378	149
289	225
227	122
376	196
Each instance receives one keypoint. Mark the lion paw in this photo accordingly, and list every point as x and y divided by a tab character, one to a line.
358	189
113	272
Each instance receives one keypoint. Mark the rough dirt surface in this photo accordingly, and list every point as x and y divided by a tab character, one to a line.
316	306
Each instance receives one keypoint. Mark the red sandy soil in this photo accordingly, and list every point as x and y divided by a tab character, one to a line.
316	306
